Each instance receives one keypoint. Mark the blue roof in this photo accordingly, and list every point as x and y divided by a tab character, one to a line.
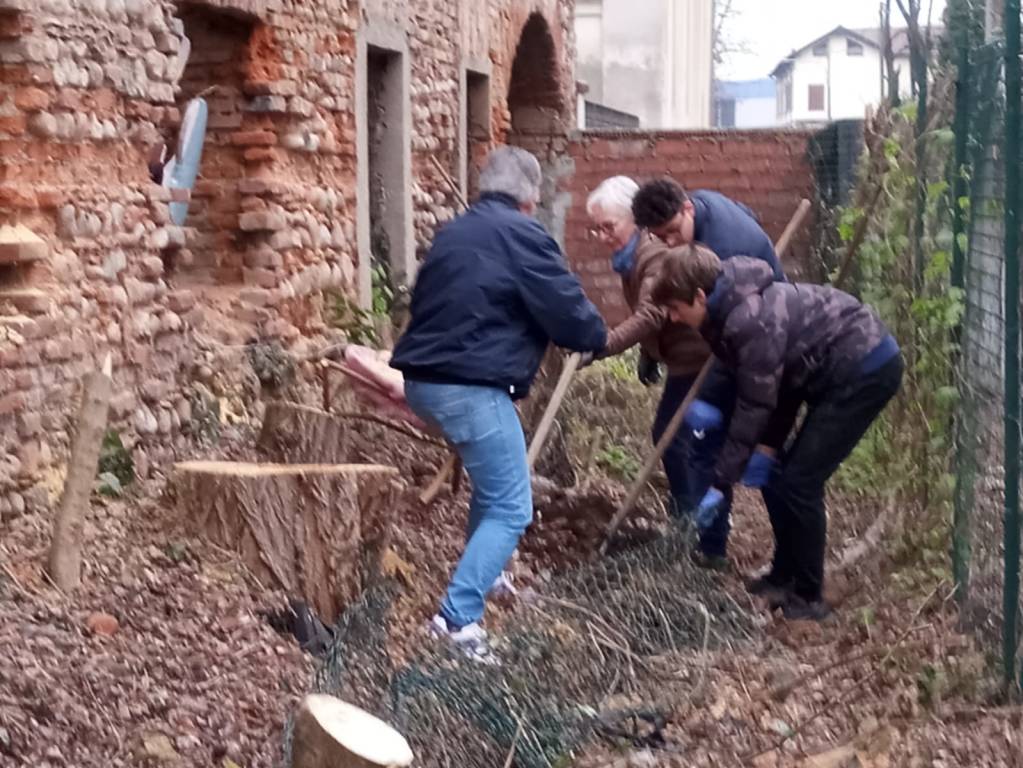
746	89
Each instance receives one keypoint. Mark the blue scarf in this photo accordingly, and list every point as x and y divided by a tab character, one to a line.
625	259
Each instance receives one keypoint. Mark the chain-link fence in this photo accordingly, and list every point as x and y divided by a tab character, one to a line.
985	560
601	647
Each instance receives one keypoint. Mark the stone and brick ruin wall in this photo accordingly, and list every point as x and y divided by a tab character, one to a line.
326	120
330	122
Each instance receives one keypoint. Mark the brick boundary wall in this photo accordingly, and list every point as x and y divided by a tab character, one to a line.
768	170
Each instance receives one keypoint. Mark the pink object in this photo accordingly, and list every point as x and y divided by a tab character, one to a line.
373	378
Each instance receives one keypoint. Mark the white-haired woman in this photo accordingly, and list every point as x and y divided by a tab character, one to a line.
637	257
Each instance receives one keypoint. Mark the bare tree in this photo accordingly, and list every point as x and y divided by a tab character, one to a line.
725	43
891	73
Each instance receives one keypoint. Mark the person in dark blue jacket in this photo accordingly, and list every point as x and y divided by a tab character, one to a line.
492	293
728	228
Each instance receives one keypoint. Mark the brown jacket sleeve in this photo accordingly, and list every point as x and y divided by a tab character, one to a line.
647	319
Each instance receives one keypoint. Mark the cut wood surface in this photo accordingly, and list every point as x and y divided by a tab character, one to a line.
330	733
316	531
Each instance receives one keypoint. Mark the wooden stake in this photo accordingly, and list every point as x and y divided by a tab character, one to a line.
676	421
648	468
540	437
431	491
858	236
459	198
65	562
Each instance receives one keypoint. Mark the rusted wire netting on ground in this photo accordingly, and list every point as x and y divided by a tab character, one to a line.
590	652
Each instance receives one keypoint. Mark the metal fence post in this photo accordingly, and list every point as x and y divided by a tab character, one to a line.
961	127
1012	298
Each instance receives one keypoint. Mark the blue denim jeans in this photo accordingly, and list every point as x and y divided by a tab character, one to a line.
483	426
690	460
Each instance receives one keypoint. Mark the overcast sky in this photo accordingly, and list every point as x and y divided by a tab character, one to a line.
773	28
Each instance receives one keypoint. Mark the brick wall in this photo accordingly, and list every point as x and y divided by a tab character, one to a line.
89	87
766	170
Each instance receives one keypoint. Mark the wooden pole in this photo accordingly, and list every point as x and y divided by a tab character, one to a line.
793	226
859	235
459	198
540	437
452	464
648	467
65	561
676	421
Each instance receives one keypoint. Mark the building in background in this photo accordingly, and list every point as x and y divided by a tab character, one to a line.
652	59
745	103
837	76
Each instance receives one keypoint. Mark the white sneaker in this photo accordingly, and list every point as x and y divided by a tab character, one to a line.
503	586
470	639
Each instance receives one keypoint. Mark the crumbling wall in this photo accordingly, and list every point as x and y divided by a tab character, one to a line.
88	90
767	170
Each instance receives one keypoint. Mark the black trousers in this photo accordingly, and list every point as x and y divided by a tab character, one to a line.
795	495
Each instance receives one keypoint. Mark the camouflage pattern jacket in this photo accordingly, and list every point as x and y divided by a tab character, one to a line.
780	338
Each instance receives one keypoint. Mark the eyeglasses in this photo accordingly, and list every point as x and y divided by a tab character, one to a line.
607	229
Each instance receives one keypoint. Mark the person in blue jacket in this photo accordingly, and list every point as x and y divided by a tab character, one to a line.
729	228
492	293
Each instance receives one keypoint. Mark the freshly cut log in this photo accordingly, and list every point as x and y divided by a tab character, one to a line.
332	734
317	531
295	433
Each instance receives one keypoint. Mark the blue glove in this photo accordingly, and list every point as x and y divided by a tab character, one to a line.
758	470
701	416
707	511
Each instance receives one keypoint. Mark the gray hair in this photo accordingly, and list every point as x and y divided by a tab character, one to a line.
612	194
512	171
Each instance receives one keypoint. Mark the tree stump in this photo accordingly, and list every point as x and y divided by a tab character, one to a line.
295	433
317	531
332	734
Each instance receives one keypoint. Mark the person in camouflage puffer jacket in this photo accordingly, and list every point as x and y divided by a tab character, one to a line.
787	344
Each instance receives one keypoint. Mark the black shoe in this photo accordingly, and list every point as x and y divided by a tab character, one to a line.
770	588
797	608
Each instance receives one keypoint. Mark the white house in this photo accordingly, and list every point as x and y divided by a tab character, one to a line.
648	58
745	104
837	76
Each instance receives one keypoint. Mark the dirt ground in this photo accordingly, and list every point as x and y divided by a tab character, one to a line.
165	657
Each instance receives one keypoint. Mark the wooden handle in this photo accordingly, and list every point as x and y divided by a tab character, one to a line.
429	493
651	462
676	421
793	226
459	198
571	366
